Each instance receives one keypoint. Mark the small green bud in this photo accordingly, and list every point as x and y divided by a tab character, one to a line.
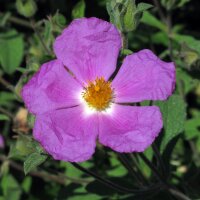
125	15
27	8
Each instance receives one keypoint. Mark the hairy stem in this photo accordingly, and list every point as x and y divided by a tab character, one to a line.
168	187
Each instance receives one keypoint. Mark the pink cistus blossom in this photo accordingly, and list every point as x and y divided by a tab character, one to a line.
1	142
76	102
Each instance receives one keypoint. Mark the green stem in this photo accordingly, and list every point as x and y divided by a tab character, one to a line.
18	21
41	39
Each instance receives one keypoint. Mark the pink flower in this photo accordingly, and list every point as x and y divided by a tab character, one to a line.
75	103
1	142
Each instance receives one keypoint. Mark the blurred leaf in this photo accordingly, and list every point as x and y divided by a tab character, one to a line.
174	113
6	99
79	10
150	20
11	188
24	145
26	184
184	81
160	38
27	8
126	52
4	117
189	56
173	4
11	50
117	169
189	40
192	128
32	161
4	19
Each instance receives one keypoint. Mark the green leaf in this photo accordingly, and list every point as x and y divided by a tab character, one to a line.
32	161
192	128
4	117
26	184
11	50
79	10
174	114
189	40
27	8
150	20
6	99
185	81
143	6
126	52
10	187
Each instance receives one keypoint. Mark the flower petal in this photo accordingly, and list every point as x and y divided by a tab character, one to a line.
67	134
50	88
130	128
89	47
143	76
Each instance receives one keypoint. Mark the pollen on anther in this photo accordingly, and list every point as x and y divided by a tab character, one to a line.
98	94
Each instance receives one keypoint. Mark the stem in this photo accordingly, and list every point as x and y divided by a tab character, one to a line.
41	39
61	179
169	26
6	84
178	194
4	111
169	188
160	11
124	40
159	159
126	162
19	21
113	185
152	167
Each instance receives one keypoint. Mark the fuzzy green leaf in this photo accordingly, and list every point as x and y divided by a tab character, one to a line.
174	114
32	161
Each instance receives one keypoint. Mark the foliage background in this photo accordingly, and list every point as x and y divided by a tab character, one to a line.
167	170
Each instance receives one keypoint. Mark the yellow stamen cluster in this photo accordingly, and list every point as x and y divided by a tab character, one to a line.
98	94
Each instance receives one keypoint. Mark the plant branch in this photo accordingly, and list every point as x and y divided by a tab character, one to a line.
125	161
168	187
18	21
61	179
160	11
6	84
40	38
159	159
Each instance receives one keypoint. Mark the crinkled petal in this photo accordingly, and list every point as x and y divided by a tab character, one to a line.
50	88
89	47
143	76
130	128
67	134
